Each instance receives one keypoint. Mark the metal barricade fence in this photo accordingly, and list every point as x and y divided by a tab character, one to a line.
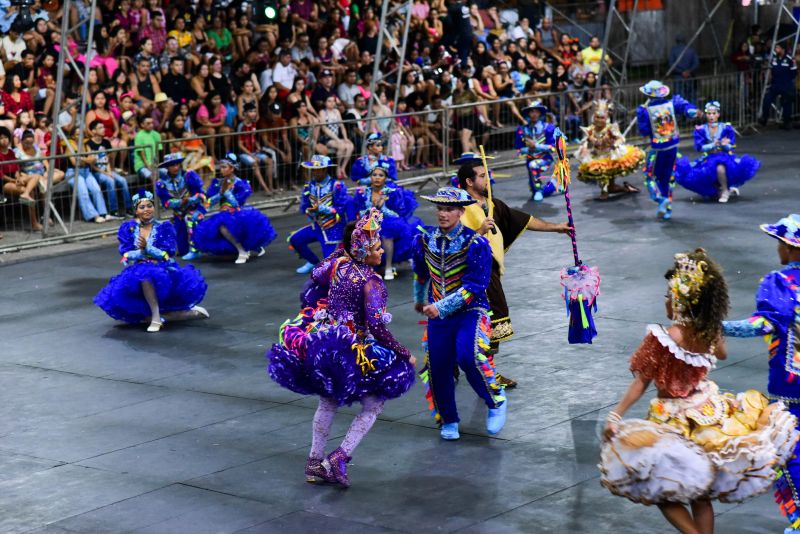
428	142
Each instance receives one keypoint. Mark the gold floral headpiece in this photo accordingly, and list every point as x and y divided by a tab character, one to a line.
687	282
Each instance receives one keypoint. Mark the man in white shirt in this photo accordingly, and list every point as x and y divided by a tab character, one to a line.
523	31
348	89
13	46
284	73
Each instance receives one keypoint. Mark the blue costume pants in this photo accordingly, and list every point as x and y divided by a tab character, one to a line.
303	237
660	174
537	167
452	341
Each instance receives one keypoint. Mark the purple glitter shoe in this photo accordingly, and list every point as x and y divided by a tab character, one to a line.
316	472
338	465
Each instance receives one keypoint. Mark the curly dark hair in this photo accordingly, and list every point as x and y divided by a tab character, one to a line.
713	302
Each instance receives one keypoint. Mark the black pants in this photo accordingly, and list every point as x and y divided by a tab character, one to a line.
787	99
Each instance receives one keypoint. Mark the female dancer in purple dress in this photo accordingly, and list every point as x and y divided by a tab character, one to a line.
339	347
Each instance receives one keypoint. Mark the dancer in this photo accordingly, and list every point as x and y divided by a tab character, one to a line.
324	201
657	120
341	349
152	286
182	192
717	172
501	230
696	444
536	140
452	268
235	229
777	318
397	233
362	167
603	155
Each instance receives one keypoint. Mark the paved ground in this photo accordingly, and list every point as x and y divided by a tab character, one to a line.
104	428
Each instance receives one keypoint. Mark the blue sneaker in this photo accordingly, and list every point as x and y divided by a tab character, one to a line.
538	197
305	268
663	207
668	215
450	432
191	256
496	418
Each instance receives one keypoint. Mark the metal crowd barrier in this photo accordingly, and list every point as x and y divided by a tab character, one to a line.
436	143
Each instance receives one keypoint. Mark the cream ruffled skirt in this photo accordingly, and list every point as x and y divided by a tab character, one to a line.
706	446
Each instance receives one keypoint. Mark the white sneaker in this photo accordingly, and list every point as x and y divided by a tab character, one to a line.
723	198
242	258
389	275
201	311
261	252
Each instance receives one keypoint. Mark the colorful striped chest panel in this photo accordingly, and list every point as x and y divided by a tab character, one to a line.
447	261
792	332
318	195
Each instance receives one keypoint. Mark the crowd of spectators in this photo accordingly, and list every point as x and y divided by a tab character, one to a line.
206	78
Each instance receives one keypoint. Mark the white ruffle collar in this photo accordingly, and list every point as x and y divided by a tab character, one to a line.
695	359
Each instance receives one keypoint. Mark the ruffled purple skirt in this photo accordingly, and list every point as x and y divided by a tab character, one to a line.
249	226
333	362
701	176
177	289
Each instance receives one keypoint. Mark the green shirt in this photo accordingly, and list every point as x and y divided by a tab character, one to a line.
145	143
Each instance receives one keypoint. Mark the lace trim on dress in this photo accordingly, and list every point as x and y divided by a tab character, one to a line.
695	359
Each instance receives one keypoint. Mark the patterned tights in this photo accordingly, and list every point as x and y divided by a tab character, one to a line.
323	419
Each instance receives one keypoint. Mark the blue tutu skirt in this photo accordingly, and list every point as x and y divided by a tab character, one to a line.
701	176
249	226
332	361
177	289
403	233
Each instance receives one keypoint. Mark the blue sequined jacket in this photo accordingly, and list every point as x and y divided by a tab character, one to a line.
362	167
161	243
331	198
658	120
183	194
544	135
777	318
454	269
233	198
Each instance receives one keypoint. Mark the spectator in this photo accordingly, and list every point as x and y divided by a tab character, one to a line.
348	89
147	143
155	31
304	132
211	120
112	182
299	94
248	97
547	36
323	91
684	63
276	141
175	85
144	85
16	183
467	123
302	51
357	130
283	74
100	112
523	31
201	82
90	196
222	37
334	135
12	46
250	152
592	55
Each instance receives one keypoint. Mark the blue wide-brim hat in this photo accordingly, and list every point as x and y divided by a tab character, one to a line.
175	158
655	89
468	156
786	230
318	162
450	196
536	104
374	138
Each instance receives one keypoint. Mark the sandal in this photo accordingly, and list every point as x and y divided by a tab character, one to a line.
631	188
155	326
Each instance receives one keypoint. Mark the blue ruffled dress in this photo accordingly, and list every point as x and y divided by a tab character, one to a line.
249	226
399	223
700	176
340	347
177	288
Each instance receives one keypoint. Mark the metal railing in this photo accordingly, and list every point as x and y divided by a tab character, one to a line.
428	143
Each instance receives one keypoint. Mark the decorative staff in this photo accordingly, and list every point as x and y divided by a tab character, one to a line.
489	209
581	283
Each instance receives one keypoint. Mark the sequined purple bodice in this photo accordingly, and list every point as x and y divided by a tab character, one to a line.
358	296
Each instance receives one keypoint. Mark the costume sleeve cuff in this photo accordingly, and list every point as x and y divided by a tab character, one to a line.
753	327
453	303
420	290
